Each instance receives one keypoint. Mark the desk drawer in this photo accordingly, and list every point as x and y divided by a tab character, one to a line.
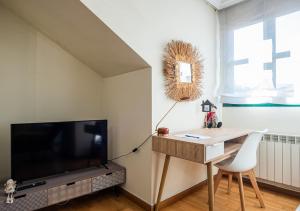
213	151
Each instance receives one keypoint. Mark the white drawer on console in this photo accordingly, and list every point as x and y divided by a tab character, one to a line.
214	150
108	180
69	191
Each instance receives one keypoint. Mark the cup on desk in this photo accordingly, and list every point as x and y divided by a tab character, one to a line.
163	131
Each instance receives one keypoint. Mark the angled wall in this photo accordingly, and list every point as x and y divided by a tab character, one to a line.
77	30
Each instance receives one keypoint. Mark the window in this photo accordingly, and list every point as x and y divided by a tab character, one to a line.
261	59
287	52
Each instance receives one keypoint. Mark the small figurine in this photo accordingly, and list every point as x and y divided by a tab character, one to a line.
9	189
211	118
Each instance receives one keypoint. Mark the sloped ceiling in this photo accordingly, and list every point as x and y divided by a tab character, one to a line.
221	4
80	32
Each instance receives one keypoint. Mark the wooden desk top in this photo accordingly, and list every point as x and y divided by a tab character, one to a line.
214	148
216	135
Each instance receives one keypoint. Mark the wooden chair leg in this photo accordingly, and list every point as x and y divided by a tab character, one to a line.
218	179
241	189
256	189
229	183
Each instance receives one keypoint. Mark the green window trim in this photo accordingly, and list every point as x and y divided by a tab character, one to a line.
260	105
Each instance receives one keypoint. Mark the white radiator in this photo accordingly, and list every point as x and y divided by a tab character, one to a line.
278	159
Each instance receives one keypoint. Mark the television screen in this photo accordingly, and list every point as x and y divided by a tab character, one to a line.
43	149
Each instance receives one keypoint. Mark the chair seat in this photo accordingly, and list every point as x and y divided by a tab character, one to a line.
229	166
225	164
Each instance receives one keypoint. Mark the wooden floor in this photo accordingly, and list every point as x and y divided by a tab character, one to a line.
197	201
224	202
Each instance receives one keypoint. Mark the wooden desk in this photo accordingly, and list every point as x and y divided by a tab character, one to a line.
220	145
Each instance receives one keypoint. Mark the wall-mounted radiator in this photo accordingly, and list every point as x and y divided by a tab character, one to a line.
279	160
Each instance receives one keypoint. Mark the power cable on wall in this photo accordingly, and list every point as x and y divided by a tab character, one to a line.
148	138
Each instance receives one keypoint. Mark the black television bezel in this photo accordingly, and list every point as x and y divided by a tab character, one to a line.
104	162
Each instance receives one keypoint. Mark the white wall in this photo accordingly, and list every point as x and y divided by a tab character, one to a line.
39	81
147	26
282	120
127	102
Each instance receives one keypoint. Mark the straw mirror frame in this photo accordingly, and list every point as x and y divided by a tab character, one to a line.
175	53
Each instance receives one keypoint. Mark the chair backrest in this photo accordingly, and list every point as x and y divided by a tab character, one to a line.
246	157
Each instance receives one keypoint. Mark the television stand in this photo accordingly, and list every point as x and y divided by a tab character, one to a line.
64	187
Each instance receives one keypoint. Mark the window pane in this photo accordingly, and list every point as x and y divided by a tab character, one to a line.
251	52
287	33
288	40
247	41
243	78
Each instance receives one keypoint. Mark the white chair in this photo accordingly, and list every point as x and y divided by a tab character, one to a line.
243	163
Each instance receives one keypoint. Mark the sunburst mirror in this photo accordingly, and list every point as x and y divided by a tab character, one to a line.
183	71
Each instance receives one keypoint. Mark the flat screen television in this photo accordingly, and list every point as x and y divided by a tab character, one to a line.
40	150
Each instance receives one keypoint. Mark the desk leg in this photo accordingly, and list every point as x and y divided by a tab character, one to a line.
162	181
210	180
